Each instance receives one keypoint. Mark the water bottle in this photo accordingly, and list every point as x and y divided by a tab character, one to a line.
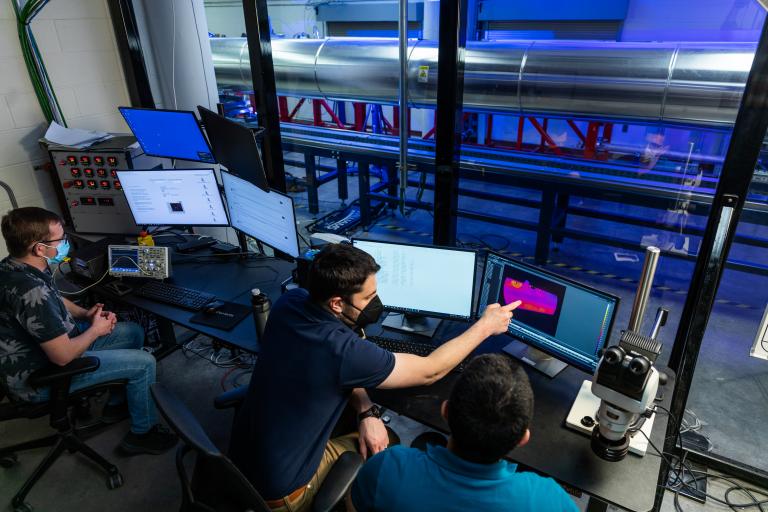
261	306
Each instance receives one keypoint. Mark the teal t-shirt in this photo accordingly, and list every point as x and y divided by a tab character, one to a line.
409	480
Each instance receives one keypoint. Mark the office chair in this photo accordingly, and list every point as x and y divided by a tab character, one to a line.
58	378
217	484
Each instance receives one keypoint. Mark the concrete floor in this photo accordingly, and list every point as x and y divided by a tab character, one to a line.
730	392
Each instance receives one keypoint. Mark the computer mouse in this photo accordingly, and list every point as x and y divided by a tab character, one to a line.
212	307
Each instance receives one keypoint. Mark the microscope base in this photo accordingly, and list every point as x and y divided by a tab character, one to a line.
587	404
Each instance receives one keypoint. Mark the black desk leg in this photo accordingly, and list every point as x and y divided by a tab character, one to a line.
544	230
561	215
393	182
341	176
595	505
364	188
309	167
168	340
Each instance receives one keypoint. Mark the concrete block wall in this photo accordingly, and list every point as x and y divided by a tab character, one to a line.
77	43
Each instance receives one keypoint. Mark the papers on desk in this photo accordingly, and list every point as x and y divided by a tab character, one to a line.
73	137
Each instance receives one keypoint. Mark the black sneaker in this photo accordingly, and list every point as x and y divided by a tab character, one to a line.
156	441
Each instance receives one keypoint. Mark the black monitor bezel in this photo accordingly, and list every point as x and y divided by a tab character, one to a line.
205	113
434	314
197	123
271	191
223	204
567	280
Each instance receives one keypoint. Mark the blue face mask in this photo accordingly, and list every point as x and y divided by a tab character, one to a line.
62	250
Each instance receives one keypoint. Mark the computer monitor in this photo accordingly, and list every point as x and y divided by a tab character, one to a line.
179	197
168	133
422	283
561	317
234	147
267	216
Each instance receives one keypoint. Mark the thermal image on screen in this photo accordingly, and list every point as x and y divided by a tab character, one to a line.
534	299
542	298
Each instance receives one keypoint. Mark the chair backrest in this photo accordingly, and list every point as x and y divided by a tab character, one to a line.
217	484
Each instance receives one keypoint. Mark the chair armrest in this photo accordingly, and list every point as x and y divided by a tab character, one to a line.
232	398
337	483
52	373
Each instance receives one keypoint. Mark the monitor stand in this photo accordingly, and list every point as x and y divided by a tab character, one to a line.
545	363
412	323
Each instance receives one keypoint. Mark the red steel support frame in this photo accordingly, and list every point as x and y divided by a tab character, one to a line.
589	140
544	135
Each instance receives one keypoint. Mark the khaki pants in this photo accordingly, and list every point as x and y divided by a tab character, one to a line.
333	450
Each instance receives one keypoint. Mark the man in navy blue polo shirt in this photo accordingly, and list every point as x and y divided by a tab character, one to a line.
488	412
314	361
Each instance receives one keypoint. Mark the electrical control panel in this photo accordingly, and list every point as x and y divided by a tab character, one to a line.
139	261
89	190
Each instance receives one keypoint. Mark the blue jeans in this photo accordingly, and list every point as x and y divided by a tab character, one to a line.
122	358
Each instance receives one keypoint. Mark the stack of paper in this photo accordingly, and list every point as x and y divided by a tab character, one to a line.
72	137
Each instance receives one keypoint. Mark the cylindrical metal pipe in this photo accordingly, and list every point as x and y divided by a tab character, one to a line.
644	288
671	83
403	99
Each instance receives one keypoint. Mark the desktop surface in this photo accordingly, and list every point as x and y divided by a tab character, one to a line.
229	279
554	449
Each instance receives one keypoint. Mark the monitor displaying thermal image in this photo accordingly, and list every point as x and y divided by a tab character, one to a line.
566	319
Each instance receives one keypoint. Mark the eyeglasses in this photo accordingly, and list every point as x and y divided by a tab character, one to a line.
62	239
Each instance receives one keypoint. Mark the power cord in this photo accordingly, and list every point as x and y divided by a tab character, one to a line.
679	474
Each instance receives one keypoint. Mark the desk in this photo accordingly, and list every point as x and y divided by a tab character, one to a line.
229	279
554	449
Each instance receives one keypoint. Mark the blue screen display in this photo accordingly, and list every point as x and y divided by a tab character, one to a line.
168	134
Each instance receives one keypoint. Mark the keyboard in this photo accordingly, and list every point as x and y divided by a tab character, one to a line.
406	346
179	296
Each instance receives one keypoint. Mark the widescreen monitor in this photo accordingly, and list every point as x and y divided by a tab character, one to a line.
179	197
234	147
265	216
561	317
168	133
424	280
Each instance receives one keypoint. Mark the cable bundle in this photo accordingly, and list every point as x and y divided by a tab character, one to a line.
26	10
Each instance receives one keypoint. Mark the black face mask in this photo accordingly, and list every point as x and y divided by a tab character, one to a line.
370	314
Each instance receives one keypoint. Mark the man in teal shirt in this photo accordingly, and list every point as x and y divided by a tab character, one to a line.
488	412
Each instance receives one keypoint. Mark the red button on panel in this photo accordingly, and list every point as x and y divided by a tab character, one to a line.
113	172
117	185
101	172
74	203
98	160
85	160
75	171
78	183
67	184
91	183
88	200
88	172
104	184
72	160
112	161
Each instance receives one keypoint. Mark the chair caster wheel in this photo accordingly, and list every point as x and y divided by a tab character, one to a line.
114	481
8	461
22	507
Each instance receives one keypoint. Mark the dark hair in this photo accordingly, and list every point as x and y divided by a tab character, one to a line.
339	270
490	408
23	227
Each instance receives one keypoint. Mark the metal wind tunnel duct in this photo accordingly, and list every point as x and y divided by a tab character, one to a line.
669	83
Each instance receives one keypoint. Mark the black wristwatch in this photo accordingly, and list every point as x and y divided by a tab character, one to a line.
373	412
